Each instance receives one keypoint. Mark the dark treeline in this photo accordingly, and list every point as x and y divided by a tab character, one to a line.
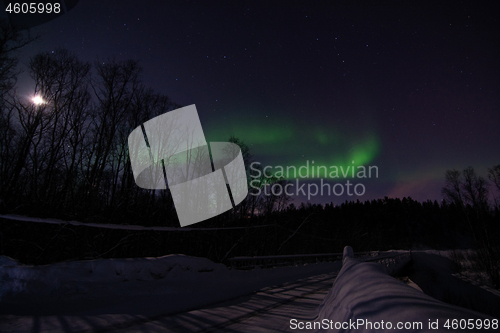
379	224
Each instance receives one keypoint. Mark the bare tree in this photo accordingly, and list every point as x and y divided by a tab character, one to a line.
62	81
33	123
475	190
494	176
453	187
114	87
11	41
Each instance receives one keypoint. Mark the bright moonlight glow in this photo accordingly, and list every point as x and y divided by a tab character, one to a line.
37	100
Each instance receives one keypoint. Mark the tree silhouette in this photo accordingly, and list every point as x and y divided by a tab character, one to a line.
453	187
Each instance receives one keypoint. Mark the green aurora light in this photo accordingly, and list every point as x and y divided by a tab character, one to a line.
321	149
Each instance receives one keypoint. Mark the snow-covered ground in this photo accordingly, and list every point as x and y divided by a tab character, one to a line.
180	293
127	288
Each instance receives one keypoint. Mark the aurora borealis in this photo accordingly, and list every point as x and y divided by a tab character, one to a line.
411	88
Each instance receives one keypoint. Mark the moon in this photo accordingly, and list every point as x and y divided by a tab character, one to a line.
38	100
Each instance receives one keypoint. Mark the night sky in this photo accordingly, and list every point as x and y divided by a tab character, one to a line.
410	88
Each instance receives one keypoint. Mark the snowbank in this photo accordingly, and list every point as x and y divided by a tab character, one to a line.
146	286
79	276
